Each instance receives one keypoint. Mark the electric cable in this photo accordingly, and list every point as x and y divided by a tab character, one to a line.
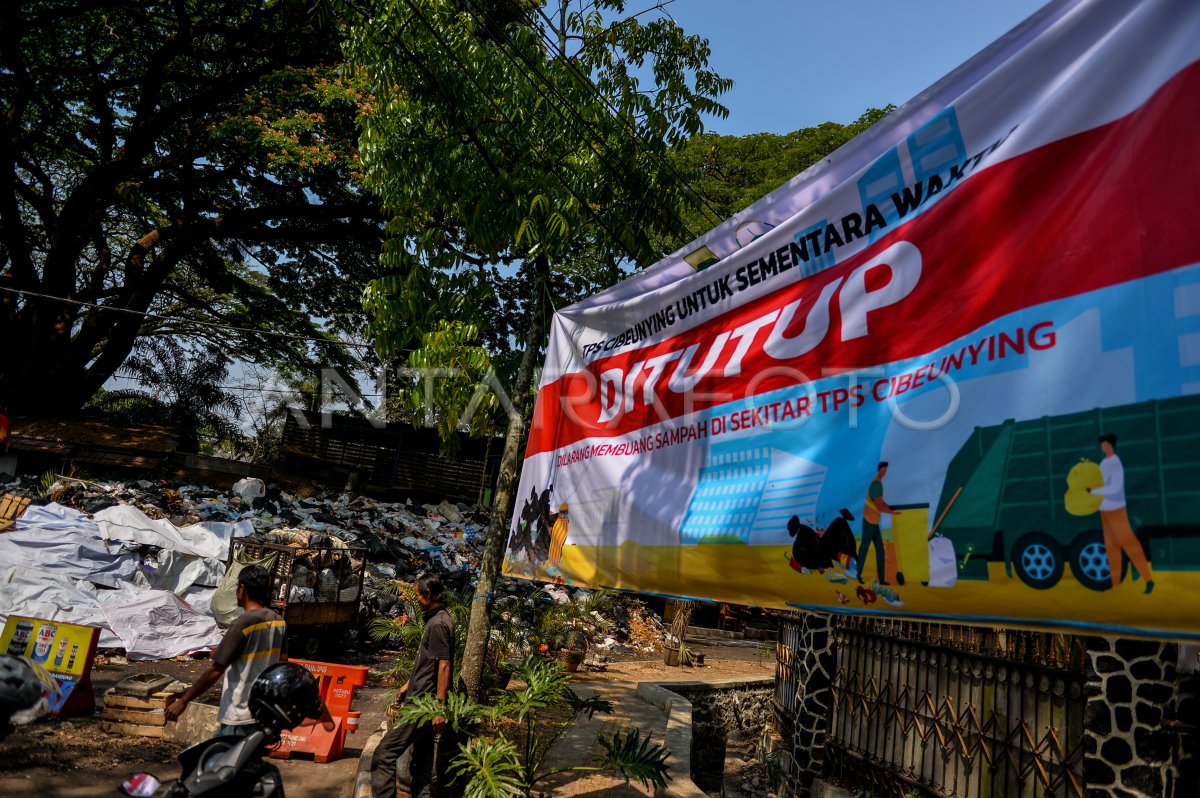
422	67
587	81
216	325
564	104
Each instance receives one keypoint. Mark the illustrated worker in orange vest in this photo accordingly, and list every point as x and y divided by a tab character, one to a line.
1114	516
558	535
874	508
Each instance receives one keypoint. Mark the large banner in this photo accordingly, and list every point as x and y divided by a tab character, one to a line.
953	371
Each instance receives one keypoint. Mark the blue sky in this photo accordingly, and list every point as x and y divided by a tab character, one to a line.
798	63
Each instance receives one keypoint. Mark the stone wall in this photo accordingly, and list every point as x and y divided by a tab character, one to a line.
1140	739
814	665
717	712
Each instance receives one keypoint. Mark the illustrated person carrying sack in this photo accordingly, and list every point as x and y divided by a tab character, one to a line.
1114	517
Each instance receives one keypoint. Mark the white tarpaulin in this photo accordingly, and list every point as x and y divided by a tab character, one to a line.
210	539
55	516
58	540
155	624
51	565
147	623
178	572
24	591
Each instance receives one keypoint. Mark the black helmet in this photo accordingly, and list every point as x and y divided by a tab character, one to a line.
20	687
284	695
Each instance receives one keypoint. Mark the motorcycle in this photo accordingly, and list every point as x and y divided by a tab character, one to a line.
230	766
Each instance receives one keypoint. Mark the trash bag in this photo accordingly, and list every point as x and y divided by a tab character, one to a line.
943	570
249	489
224	605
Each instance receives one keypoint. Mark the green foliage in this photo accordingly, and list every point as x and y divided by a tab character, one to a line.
635	757
562	625
492	765
545	684
194	160
179	388
446	386
50	478
587	706
733	172
460	712
491	152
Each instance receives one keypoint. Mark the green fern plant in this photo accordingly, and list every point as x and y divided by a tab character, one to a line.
635	757
496	767
492	767
404	632
565	625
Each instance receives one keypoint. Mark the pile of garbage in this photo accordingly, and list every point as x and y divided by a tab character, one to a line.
145	560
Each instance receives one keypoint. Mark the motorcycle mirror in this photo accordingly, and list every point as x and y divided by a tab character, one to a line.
140	785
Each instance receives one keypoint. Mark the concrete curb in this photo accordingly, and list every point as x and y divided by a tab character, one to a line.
362	779
678	737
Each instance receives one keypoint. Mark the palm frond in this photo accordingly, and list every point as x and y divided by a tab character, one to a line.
493	766
460	712
591	705
635	757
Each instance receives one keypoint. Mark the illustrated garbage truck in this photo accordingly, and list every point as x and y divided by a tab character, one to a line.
1005	495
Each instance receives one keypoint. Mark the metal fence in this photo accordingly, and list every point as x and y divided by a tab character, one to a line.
787	679
954	711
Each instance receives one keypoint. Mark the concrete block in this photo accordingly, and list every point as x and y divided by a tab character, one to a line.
197	723
823	789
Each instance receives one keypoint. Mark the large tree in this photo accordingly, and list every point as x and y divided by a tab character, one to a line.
519	148
191	160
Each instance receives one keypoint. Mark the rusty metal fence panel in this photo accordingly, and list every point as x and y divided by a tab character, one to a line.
787	648
956	711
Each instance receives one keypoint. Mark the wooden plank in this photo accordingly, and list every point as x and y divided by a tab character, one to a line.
131	729
157	701
11	508
143	717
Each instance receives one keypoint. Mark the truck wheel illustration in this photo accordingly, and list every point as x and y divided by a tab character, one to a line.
1038	560
1089	561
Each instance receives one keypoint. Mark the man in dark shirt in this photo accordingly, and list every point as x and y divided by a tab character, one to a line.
430	674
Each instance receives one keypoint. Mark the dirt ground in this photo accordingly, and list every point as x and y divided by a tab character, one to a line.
72	757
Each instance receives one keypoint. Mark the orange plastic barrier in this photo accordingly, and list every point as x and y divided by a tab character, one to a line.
337	691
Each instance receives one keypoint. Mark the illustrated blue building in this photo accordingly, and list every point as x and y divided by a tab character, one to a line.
748	493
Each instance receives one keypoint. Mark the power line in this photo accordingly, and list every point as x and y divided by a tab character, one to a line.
565	105
212	324
246	388
470	76
587	81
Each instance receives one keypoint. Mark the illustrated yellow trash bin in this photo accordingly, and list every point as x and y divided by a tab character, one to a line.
910	531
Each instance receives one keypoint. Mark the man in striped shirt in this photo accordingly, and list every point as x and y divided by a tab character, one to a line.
254	642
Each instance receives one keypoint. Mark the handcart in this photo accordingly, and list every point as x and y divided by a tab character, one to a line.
315	588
